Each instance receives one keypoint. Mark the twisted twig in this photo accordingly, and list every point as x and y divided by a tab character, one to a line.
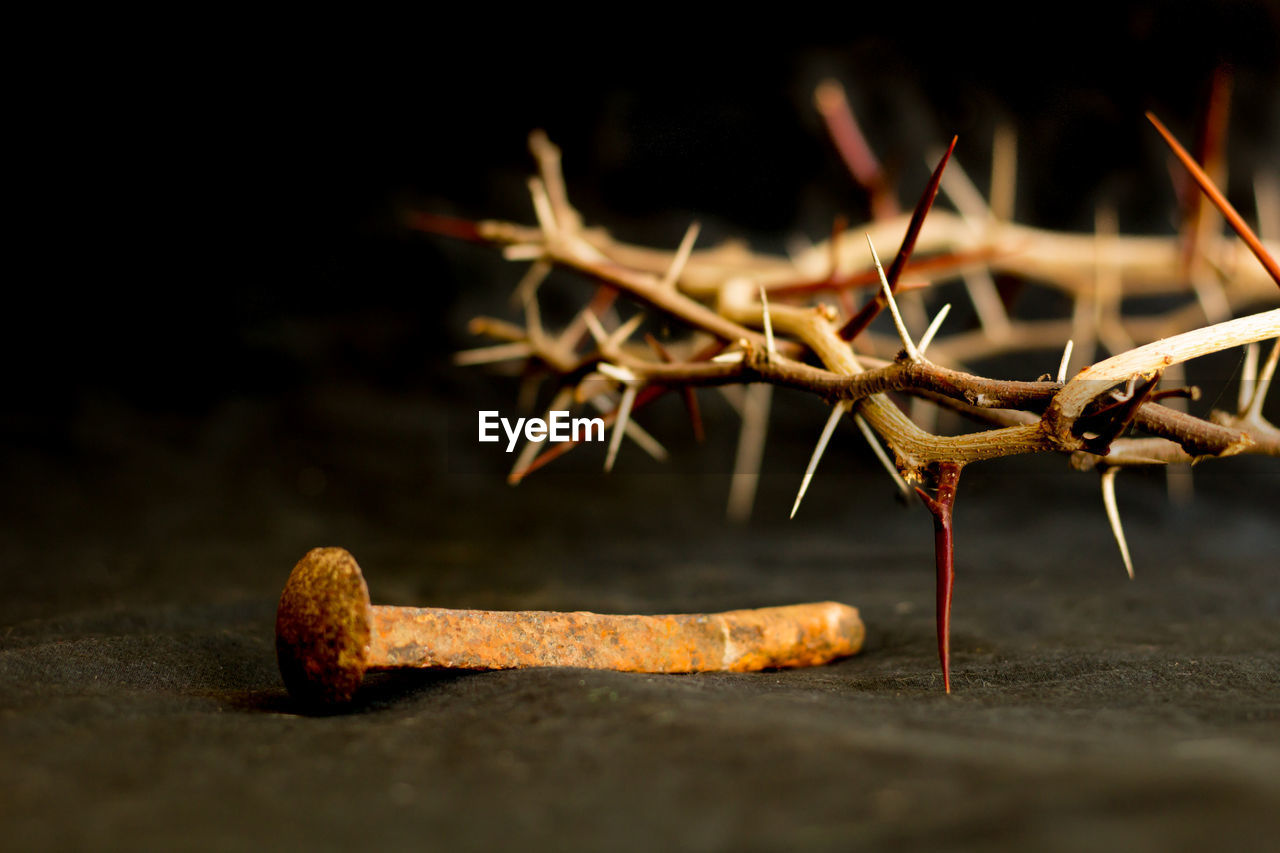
747	303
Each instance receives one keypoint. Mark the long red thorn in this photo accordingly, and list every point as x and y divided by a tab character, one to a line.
941	505
1237	222
863	318
449	226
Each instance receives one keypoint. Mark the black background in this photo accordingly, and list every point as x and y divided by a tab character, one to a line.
195	195
223	348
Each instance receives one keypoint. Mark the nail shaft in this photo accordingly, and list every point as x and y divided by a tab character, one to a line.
736	641
328	635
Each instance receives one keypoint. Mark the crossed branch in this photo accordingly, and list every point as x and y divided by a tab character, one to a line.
759	321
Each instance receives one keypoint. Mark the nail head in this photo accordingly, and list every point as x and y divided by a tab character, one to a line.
323	627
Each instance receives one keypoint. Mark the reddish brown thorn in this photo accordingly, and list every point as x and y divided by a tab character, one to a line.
947	478
448	226
863	318
852	146
690	397
1237	223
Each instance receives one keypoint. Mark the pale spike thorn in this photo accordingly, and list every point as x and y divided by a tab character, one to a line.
1248	376
682	256
770	348
619	426
882	455
1004	171
907	343
986	302
836	412
757	401
634	431
963	194
542	209
1263	385
1066	359
625	331
1113	515
932	331
531	448
593	326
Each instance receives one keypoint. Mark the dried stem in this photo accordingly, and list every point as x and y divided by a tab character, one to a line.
760	337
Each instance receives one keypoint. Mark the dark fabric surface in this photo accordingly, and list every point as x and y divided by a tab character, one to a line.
226	350
142	705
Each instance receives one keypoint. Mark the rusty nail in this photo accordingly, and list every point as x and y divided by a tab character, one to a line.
328	634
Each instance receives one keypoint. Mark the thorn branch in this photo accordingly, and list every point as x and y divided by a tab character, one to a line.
942	504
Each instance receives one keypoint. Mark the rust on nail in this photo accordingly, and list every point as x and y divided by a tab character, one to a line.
328	635
736	641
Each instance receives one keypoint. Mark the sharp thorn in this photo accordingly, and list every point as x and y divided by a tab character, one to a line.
837	412
542	208
881	454
985	297
757	401
1248	376
1113	515
641	436
768	324
1263	385
907	343
1233	218
1066	360
619	426
593	326
625	331
682	256
965	196
1004	171
932	331
531	448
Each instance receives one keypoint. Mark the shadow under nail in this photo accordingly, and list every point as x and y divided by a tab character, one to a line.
380	691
